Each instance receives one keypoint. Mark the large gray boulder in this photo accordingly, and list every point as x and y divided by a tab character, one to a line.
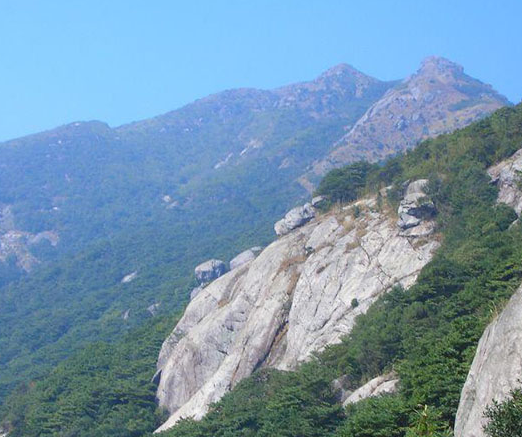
415	207
210	270
496	369
244	257
294	218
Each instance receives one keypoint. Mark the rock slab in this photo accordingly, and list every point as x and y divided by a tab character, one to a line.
289	302
496	369
384	384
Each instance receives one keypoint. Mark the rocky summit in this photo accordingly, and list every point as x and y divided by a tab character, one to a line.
437	99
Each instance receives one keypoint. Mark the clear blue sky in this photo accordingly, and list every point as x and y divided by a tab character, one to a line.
119	61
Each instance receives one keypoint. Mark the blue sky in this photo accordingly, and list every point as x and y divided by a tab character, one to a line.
120	61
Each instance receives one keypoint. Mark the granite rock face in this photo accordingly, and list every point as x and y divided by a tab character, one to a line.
210	270
496	369
507	176
294	218
497	366
292	300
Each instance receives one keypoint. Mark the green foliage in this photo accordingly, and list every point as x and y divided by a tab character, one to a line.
382	416
103	390
271	404
345	184
505	418
428	424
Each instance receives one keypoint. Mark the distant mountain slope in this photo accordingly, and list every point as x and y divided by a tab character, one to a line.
439	98
86	180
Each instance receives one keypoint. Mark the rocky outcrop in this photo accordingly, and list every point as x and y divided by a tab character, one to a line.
294	218
16	244
209	270
195	292
289	302
319	201
416	209
507	176
496	369
153	309
244	257
384	384
130	277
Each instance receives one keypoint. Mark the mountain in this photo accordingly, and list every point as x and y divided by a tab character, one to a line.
390	305
86	180
437	99
101	227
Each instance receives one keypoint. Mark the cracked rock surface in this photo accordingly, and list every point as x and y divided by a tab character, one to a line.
292	300
496	369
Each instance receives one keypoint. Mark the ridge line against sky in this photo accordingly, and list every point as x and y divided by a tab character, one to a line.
122	61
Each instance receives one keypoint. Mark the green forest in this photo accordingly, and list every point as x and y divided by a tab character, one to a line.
426	334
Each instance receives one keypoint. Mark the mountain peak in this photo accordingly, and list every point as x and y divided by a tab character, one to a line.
437	65
342	70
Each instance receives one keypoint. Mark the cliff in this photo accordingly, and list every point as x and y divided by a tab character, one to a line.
300	294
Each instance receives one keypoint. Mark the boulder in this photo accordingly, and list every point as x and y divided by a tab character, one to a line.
153	309
415	207
506	175
210	270
340	386
294	218
130	277
380	385
244	257
319	201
